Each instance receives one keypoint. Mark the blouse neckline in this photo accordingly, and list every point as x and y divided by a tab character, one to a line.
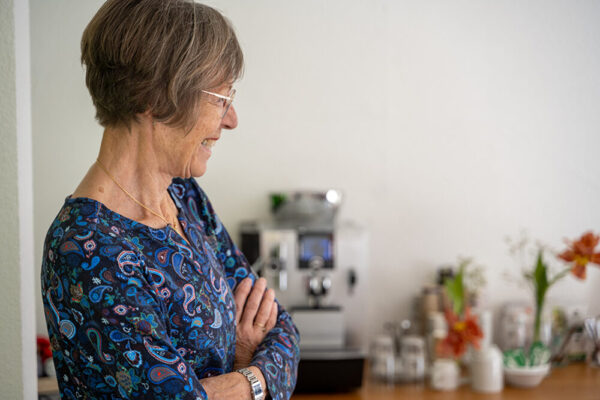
101	207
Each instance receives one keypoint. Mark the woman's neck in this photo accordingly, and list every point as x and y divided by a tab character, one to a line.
136	163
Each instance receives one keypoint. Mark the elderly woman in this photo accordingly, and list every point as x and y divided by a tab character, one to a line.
145	294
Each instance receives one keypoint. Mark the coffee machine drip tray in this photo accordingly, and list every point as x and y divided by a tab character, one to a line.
320	328
330	371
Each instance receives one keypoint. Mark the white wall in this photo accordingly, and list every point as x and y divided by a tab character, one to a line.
18	378
66	138
448	124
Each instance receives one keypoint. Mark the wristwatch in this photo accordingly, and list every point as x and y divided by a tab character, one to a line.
257	391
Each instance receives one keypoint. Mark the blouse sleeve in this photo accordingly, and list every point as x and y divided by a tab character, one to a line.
279	354
109	326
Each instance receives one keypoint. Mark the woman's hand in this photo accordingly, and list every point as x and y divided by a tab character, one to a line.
256	314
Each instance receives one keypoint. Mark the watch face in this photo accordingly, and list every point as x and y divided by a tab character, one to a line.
257	389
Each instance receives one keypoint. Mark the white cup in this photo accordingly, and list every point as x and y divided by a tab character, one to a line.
445	374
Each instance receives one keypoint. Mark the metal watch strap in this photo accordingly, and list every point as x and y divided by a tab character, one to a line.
257	390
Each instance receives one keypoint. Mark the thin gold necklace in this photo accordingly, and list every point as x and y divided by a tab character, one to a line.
173	225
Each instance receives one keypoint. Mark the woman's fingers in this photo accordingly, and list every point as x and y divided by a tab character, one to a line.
253	301
273	317
264	312
240	295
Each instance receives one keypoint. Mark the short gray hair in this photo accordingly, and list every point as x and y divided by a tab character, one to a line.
156	55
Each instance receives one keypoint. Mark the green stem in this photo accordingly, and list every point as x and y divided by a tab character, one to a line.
539	306
559	276
540	299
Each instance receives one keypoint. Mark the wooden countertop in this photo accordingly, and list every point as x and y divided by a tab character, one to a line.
47	385
573	382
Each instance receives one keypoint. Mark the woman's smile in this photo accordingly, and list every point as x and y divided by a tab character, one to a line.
208	144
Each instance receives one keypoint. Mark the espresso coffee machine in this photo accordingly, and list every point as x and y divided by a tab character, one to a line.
317	266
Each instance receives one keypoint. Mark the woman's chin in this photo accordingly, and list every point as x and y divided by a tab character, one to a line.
199	161
198	169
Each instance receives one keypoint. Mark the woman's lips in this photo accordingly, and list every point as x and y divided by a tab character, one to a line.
208	144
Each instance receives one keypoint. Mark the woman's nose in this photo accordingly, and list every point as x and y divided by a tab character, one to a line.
230	119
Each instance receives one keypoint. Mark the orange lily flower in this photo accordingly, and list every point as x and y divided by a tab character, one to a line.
581	252
461	332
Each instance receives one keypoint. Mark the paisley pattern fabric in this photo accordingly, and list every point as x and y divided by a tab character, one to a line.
135	312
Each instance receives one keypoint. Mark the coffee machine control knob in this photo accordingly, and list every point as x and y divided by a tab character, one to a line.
326	284
314	285
318	288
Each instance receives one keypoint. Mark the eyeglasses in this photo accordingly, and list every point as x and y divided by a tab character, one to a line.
223	101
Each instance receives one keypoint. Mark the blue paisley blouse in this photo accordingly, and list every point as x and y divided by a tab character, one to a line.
135	312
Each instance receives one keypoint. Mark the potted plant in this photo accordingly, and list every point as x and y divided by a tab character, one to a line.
463	327
528	367
463	331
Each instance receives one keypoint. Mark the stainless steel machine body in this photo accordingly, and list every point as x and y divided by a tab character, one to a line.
318	268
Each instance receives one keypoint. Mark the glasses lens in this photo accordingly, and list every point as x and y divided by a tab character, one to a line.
228	102
227	105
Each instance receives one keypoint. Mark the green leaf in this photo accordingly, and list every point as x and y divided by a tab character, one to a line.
455	291
540	276
277	199
541	284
